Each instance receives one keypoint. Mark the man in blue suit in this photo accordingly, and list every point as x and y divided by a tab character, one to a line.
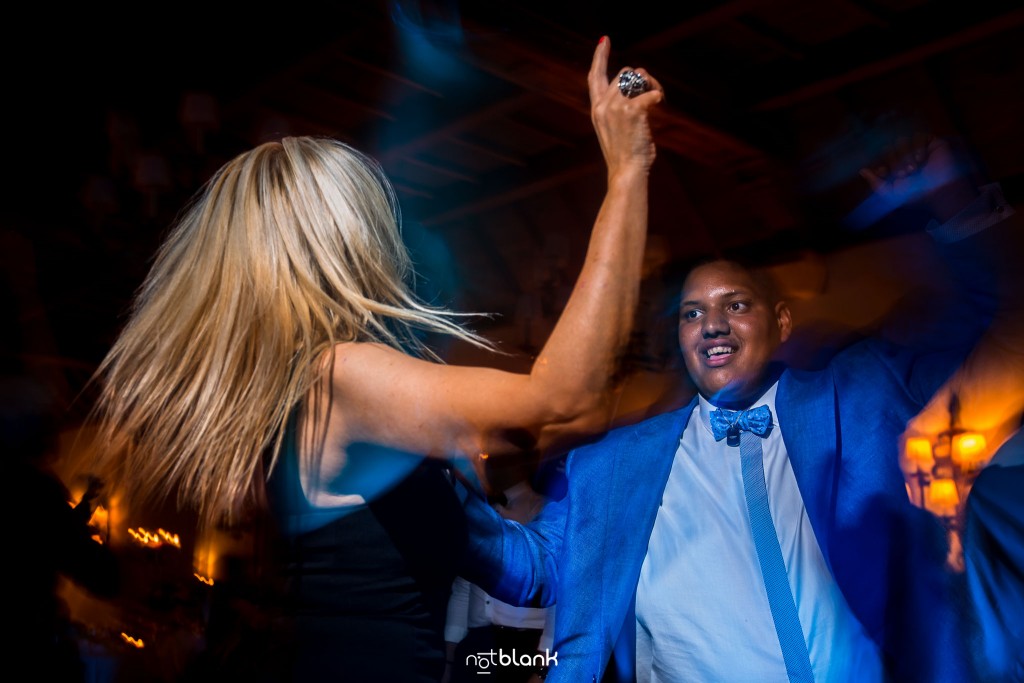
762	532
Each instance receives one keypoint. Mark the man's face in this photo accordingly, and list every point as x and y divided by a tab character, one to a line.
729	331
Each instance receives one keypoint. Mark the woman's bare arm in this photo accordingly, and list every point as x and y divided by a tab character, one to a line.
382	396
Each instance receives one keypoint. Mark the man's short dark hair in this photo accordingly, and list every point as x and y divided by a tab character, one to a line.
759	272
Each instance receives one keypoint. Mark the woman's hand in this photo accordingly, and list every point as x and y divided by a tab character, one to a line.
621	122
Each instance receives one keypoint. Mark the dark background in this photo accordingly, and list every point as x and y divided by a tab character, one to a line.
478	112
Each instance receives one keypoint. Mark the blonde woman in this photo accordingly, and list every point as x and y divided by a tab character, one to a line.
271	362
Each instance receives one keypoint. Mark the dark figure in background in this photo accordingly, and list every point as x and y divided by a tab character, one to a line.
994	564
47	538
662	550
239	636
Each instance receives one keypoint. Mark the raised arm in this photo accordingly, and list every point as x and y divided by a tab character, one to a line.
982	237
386	398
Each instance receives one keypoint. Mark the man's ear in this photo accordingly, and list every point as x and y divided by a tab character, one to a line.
784	319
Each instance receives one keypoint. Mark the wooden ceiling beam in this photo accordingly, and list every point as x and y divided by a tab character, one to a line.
547	76
485	150
516	194
701	23
877	68
440	133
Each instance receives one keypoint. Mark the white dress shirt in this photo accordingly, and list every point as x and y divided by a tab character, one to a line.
702	610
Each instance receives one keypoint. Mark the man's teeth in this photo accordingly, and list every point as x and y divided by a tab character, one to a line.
719	350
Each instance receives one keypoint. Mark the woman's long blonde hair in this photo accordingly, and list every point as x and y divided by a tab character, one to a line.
289	248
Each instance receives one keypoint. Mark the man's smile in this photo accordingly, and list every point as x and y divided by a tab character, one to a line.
718	353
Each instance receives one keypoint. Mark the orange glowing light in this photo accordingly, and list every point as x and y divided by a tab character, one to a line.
208	581
143	537
168	537
152	539
942	497
204	558
100	517
969	450
484	456
919	453
137	642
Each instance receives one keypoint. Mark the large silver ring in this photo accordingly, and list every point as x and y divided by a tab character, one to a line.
632	84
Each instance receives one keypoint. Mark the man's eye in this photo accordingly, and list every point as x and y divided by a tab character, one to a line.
691	315
738	306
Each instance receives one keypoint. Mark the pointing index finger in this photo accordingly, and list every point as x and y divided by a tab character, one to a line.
597	79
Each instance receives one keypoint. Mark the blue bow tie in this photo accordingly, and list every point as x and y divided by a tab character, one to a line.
730	422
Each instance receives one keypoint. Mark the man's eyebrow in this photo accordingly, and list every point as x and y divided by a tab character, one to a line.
731	293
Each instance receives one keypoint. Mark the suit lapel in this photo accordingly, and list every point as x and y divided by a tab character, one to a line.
807	414
641	472
642	463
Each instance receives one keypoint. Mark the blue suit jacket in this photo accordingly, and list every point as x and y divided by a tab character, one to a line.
842	426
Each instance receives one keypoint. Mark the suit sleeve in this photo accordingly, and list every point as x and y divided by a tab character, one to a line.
516	563
980	311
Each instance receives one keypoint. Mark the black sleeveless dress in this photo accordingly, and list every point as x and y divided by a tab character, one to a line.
365	589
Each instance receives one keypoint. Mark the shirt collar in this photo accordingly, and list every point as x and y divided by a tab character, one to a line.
705	406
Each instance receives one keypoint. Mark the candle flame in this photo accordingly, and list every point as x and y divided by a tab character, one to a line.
137	642
969	449
942	497
919	452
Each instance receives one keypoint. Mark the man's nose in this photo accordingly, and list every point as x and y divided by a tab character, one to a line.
714	324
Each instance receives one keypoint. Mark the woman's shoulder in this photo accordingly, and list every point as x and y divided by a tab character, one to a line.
360	365
366	351
349	356
353	355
